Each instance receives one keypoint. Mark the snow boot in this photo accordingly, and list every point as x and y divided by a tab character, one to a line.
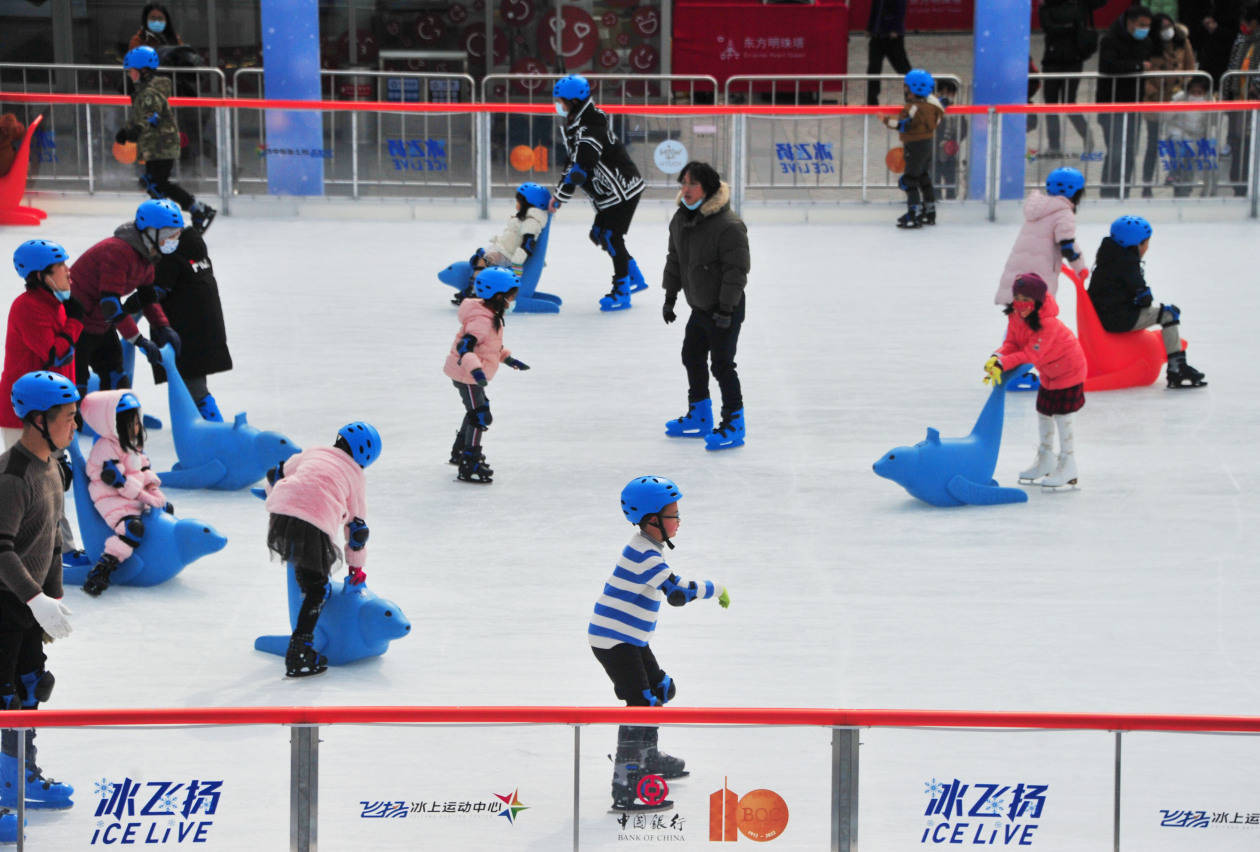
629	770
473	467
98	578
1064	475
910	219
1180	374
618	298
1044	464
696	423
41	793
928	216
729	433
209	409
637	281
202	215
301	659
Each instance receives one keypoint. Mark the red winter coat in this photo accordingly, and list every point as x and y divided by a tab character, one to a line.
1054	350
39	333
116	266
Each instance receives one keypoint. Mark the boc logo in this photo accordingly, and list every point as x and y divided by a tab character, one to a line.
760	815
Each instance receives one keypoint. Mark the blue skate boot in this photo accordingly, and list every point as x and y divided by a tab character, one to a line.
41	793
696	423
729	433
209	409
637	281
618	298
8	826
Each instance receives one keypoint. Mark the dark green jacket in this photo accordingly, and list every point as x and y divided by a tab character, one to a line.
708	255
153	141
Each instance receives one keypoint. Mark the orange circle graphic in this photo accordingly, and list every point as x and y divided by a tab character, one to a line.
762	815
522	158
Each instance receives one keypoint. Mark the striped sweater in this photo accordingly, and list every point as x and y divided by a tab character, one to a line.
626	610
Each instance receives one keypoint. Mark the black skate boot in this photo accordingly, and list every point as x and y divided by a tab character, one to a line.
910	219
928	216
302	660
202	215
630	792
1182	375
457	448
98	578
659	763
473	468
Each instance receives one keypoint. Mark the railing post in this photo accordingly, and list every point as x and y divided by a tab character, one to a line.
482	177
87	127
1253	180
223	143
844	789
21	790
739	160
304	788
577	779
1115	830
1124	150
991	154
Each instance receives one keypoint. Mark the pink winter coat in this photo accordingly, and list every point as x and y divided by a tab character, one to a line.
139	490
326	488
478	320
1054	350
1048	220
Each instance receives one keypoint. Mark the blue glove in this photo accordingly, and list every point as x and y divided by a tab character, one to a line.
466	344
516	364
112	475
111	308
153	120
477	256
1172	309
63	360
722	319
358	534
479	376
1143	298
164	334
149	349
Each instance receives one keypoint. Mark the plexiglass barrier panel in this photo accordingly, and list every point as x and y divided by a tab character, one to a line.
169	788
940	789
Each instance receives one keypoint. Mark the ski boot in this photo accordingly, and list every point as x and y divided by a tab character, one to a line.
209	409
1044	464
41	793
696	423
301	659
928	216
98	578
202	215
1180	374
618	298
910	219
637	281
473	468
729	433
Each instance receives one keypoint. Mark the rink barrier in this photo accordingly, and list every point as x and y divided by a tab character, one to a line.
732	162
845	725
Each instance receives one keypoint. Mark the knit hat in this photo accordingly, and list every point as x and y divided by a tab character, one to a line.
1030	285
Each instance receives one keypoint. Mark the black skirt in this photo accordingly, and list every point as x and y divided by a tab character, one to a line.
1061	401
301	543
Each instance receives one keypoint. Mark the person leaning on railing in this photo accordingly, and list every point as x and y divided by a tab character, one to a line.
1173	52
156	29
1245	56
1125	49
1070	39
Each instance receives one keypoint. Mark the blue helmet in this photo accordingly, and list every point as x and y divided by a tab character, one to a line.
364	441
493	280
920	82
159	213
1131	230
141	57
574	87
646	495
41	391
126	402
535	195
1065	181
38	255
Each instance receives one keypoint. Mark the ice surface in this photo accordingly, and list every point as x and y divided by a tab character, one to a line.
1135	594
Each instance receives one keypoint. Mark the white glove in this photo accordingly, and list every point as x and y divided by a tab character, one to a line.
51	615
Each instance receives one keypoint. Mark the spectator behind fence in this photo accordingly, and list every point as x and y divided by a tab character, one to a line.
1244	57
156	29
1125	49
887	28
1070	39
1213	25
1186	132
1172	53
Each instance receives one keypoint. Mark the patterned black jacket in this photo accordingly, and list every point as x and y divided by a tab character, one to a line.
596	160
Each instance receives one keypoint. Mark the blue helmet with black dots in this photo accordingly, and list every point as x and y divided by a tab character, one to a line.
40	391
574	87
647	495
919	82
140	58
494	280
535	195
364	441
1065	181
1129	231
38	255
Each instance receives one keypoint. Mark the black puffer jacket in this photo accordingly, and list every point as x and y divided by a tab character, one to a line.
1120	53
1065	24
1115	285
192	304
708	255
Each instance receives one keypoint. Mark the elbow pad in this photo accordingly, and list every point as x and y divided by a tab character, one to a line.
902	125
676	593
358	534
111	309
529	244
111	475
1068	249
467	343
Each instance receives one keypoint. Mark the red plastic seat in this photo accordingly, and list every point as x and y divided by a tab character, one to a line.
13	186
1115	360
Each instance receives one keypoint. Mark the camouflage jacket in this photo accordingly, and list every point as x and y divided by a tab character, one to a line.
160	140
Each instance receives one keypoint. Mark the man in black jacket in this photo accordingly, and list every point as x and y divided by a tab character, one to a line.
598	162
1070	39
886	26
1125	50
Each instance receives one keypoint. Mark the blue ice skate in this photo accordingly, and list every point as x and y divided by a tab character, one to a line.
729	433
957	471
637	281
618	298
696	423
43	794
8	827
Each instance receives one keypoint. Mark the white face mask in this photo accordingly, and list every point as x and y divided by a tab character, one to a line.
1167	35
169	245
157	25
695	204
560	110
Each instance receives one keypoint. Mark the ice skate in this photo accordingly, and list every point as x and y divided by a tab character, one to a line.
8	826
637	281
696	423
928	216
729	433
1045	462
1064	476
41	793
1181	375
97	579
302	660
473	468
75	559
909	220
618	298
665	765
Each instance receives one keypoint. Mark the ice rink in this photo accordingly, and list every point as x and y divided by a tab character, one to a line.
1137	593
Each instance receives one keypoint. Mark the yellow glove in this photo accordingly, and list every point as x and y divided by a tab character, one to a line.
724	599
993	370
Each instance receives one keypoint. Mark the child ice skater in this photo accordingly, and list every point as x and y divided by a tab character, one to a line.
1047	239
121	482
916	124
472	362
624	619
152	127
313	497
1036	335
1123	302
519	239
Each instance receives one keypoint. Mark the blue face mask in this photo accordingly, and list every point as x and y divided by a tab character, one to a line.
62	295
1141	33
693	206
561	110
157	26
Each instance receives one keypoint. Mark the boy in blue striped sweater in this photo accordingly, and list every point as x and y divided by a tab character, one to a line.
623	622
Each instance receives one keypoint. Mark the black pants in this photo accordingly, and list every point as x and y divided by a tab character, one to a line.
879	48
157	182
632	669
1150	156
609	233
1061	90
314	586
21	652
703	343
102	353
477	416
1121	132
917	180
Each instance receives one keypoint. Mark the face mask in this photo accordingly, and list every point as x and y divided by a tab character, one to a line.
168	246
560	110
1167	35
693	206
157	26
62	295
1141	32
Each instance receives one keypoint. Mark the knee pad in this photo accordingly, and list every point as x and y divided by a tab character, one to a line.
9	699
597	235
36	688
132	531
1169	315
901	183
482	416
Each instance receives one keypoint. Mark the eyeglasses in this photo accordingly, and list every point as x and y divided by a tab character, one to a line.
669	517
